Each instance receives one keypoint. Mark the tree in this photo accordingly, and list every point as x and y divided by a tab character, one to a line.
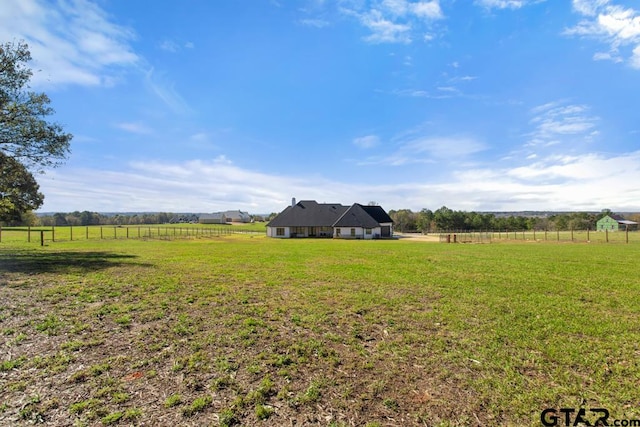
424	220
25	134
404	219
18	190
59	219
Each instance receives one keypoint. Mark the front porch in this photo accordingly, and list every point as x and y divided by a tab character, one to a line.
311	232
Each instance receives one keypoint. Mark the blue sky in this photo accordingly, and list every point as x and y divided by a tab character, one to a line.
200	106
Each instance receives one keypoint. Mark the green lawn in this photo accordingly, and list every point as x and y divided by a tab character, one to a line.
246	330
50	234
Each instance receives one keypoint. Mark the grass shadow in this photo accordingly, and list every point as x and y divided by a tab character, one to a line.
34	262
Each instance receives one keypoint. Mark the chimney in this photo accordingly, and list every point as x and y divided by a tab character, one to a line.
293	201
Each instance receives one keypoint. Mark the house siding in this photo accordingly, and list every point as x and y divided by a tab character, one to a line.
360	233
615	223
607	223
237	216
212	219
273	232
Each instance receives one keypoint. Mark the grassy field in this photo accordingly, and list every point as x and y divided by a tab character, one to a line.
111	232
246	330
576	236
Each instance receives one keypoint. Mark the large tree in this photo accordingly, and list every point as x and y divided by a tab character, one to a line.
28	141
18	190
25	133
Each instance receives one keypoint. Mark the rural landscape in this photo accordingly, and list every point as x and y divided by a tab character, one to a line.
463	250
241	329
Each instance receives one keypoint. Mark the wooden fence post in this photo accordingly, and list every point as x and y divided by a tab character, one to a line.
29	234
71	232
41	238
53	233
606	235
87	232
626	231
0	234
101	235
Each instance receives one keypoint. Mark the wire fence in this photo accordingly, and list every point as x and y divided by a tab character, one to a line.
566	236
43	235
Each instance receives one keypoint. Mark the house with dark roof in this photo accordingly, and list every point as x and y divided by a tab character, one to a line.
309	218
613	222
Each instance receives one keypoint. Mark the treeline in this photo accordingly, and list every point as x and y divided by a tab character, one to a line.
93	218
405	220
444	218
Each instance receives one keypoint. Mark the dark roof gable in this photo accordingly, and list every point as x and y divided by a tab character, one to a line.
308	213
362	216
377	213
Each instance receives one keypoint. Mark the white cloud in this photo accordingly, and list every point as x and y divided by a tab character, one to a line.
414	148
443	147
589	7
366	142
158	84
420	9
448	89
557	122
617	26
77	42
586	182
199	137
74	43
635	58
506	4
384	30
607	56
316	23
169	46
136	128
395	21
173	46
429	10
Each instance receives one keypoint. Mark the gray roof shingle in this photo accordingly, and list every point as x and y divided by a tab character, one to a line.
356	216
308	213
